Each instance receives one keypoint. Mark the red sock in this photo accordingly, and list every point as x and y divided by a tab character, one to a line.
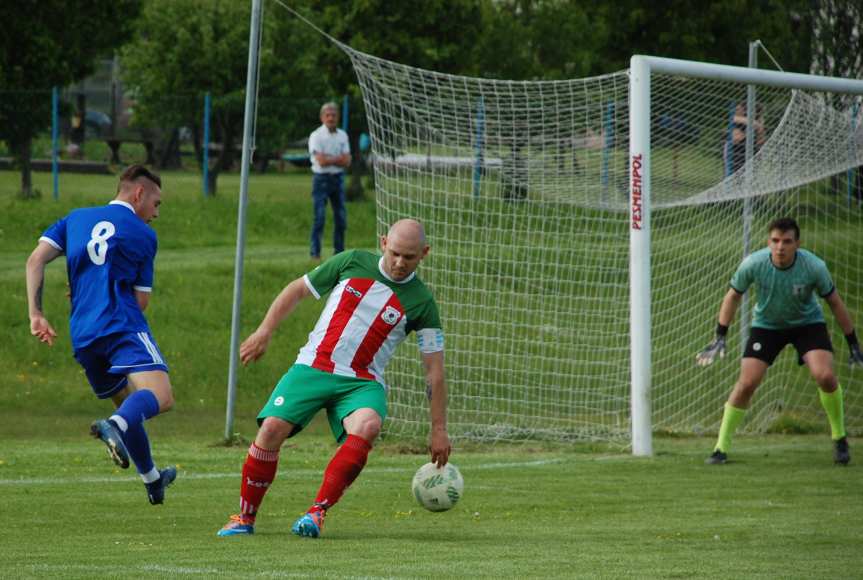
343	469
259	471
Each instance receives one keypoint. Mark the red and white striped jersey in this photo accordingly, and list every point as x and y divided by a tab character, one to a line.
366	316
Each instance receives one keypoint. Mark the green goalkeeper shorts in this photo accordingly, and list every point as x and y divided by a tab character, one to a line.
303	391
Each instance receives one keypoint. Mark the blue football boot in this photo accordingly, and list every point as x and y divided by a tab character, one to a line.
156	489
310	525
109	434
238	525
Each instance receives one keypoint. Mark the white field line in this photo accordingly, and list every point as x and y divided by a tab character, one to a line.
300	473
287	473
126	569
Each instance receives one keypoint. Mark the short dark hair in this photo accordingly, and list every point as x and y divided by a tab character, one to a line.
785	224
136	171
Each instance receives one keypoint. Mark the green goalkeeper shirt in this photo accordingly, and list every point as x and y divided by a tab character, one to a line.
786	297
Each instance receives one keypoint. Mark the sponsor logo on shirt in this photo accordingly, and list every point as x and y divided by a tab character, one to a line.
354	291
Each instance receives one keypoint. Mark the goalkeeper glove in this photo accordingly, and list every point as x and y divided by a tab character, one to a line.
855	358
717	347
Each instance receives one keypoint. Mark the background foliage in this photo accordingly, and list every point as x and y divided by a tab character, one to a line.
48	43
173	51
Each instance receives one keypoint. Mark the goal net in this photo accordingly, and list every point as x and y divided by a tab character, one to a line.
524	191
711	209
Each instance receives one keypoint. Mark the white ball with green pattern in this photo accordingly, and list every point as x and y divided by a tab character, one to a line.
436	489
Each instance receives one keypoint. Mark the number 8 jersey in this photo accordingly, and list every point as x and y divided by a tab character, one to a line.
109	254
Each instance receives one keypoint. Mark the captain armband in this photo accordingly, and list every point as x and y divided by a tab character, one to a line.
430	340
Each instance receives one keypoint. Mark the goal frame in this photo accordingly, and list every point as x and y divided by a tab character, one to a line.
641	68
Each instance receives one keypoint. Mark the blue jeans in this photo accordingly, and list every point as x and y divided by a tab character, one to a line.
328	186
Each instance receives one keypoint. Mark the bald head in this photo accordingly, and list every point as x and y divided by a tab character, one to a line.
411	231
403	247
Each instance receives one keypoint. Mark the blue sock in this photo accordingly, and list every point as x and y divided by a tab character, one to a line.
137	408
138	445
130	416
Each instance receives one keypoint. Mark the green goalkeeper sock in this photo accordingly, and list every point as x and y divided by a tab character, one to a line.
832	403
731	418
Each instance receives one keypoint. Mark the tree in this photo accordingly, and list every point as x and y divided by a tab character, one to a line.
565	39
542	40
185	48
706	31
45	44
837	44
439	35
838	39
436	35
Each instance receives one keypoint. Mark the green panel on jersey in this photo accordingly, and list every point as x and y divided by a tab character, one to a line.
415	297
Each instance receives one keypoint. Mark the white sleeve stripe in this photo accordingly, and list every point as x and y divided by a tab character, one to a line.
143	288
310	287
50	242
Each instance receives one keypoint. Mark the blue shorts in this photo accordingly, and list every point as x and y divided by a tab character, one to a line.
109	359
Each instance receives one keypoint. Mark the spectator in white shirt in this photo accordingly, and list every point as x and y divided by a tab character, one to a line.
330	154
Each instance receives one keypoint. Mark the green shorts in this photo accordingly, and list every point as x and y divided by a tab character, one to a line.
303	391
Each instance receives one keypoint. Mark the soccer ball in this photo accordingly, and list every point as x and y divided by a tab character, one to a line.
436	489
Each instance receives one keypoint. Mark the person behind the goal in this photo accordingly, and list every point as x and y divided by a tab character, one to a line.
787	311
375	302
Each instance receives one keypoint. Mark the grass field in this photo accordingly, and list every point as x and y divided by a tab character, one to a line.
780	509
190	311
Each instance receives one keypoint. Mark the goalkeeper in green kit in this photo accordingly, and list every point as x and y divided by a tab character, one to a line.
787	312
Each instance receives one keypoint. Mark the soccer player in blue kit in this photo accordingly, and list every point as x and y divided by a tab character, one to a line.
109	261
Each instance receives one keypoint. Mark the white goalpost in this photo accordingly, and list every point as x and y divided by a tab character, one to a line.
834	139
583	233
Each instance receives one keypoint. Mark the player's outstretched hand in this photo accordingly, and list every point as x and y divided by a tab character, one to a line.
708	355
440	447
254	347
855	359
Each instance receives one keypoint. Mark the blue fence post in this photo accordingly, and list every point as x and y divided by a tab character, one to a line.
55	133
607	145
345	112
205	165
849	176
732	106
479	147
